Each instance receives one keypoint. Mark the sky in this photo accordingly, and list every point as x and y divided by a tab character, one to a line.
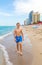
13	11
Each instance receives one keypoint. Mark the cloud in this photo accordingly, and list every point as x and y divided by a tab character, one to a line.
26	6
5	14
37	5
22	7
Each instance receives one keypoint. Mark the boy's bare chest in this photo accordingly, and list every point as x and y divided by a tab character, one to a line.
18	31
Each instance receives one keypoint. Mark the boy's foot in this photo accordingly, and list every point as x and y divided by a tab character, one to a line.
21	53
18	52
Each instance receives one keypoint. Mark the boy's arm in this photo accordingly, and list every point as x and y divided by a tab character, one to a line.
22	34
14	33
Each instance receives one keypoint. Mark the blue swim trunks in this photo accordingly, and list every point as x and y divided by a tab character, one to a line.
18	39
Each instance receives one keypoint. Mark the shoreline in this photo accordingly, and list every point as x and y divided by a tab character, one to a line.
5	58
5	35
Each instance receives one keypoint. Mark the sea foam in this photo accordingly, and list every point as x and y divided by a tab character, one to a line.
7	60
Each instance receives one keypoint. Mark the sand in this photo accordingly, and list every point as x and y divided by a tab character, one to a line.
35	35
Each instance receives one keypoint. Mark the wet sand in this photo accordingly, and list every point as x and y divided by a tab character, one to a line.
35	35
16	59
2	59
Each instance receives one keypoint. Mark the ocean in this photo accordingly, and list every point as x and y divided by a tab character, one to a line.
6	29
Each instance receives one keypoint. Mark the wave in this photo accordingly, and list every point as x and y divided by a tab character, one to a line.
3	36
6	56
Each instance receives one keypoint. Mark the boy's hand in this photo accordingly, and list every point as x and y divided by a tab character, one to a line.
23	39
14	39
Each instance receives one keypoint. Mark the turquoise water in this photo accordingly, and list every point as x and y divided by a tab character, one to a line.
6	29
35	26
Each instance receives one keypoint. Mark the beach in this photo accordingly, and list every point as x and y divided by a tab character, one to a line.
10	49
32	47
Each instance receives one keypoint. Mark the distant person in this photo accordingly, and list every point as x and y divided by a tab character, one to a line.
19	37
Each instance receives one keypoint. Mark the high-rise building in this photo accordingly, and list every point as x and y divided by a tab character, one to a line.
35	17
26	22
30	17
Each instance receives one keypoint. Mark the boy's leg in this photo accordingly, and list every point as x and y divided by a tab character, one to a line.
21	48
17	46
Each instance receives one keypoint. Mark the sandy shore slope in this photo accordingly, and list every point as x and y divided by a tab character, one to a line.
35	35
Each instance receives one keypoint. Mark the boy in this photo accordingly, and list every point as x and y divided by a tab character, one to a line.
18	38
